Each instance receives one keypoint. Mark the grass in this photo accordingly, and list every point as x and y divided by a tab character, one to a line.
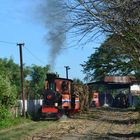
23	129
6	123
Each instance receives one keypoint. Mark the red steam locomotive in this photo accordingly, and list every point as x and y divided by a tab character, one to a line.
58	98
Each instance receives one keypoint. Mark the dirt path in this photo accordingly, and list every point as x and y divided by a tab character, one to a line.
96	124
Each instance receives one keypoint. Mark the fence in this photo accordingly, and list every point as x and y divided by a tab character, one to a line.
31	106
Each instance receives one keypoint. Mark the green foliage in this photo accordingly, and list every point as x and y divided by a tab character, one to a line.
111	58
9	83
4	113
7	98
36	84
10	87
9	122
5	88
118	18
7	92
11	70
6	118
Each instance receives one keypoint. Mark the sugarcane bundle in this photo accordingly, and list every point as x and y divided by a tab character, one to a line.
83	93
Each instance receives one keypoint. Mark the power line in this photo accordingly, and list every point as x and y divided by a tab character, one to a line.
7	42
34	56
14	43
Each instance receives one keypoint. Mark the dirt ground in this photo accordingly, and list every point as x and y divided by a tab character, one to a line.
96	124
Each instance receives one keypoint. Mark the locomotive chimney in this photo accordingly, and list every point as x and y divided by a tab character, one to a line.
51	77
51	80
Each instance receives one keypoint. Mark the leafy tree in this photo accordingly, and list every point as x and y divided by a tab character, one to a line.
124	47
7	92
11	70
38	75
9	85
110	59
7	97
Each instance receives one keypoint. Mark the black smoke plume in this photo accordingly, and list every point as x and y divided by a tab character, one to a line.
53	16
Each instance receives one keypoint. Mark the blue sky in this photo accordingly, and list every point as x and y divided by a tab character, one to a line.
18	23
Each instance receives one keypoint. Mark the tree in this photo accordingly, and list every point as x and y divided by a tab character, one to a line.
9	87
110	59
11	70
112	17
7	97
7	93
126	48
38	75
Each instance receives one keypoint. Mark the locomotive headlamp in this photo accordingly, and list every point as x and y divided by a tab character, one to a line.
56	104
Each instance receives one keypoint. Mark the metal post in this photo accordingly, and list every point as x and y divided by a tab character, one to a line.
22	78
67	68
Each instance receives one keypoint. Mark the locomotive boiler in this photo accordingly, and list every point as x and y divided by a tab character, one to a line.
58	98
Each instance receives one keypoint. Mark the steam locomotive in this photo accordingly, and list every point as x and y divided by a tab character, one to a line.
58	98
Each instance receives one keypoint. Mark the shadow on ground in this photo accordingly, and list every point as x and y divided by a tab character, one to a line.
114	136
123	122
130	135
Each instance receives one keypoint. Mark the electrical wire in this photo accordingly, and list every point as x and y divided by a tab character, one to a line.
14	43
33	55
7	42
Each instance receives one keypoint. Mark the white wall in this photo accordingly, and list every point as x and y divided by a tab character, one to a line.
135	87
30	105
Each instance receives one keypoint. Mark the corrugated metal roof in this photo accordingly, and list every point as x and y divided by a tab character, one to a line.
119	79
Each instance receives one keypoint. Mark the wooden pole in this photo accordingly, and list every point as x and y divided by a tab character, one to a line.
22	78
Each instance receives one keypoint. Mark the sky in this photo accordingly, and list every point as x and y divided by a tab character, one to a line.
19	24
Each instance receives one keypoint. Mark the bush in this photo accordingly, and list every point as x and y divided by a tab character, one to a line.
4	113
5	116
7	92
6	119
7	98
11	122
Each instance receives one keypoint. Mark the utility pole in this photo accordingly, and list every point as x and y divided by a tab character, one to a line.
67	68
22	78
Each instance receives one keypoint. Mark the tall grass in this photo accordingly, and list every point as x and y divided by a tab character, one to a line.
7	119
